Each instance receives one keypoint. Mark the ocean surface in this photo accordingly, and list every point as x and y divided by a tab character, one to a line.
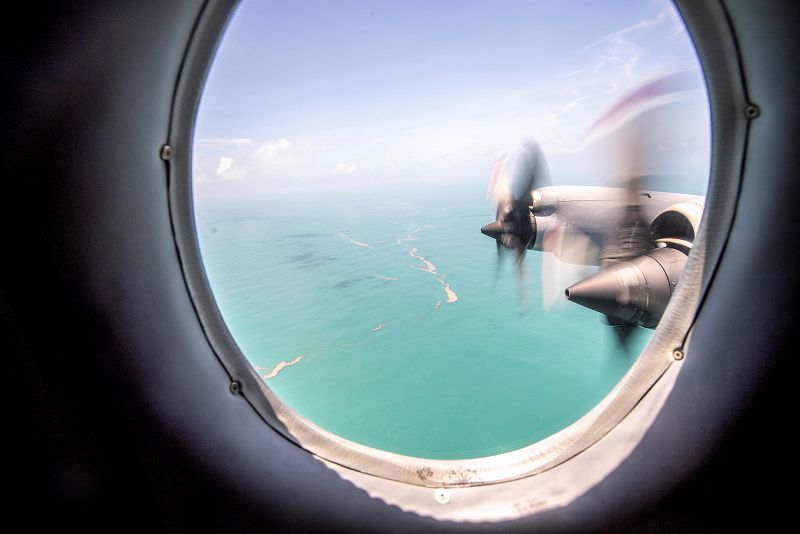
385	317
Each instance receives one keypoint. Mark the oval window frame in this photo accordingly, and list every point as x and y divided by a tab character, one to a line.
667	347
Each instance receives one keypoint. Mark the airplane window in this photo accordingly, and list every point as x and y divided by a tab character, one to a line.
447	230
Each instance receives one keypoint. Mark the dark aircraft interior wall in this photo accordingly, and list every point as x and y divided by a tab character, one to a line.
119	414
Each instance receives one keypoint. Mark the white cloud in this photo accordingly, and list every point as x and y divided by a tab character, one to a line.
274	163
460	135
344	168
224	166
278	159
666	14
622	48
227	171
222	142
273	148
569	105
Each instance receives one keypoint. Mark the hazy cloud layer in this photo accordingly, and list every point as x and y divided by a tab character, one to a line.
356	134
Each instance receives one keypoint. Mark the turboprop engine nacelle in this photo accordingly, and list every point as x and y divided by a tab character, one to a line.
637	290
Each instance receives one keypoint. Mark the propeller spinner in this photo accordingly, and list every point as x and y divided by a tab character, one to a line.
513	178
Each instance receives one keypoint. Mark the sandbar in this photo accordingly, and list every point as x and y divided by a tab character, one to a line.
277	368
431	268
451	295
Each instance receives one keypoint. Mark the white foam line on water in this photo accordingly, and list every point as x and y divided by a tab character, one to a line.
429	268
379	327
277	369
353	241
410	237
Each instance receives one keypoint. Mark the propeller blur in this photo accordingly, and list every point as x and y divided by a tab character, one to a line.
639	238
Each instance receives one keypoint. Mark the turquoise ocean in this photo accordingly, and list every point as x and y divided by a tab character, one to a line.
384	316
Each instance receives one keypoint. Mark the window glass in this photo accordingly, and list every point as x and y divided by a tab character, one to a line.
342	157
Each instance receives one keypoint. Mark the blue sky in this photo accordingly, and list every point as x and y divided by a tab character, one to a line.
345	93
